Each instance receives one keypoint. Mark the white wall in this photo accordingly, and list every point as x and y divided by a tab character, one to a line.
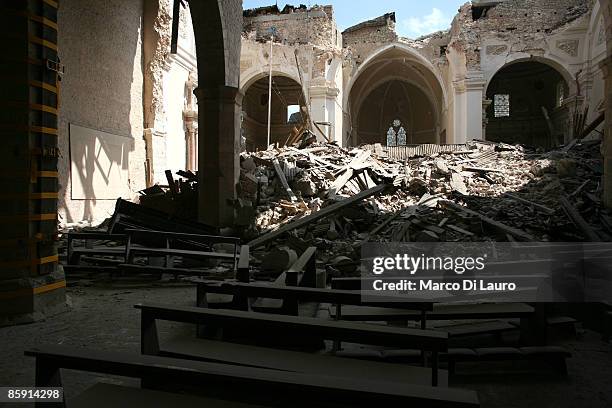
169	141
100	45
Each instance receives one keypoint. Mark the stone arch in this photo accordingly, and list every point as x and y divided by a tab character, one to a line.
551	61
426	90
257	73
287	92
216	26
528	104
381	51
210	43
395	61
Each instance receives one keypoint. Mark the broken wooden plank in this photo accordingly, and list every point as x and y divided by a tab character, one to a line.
283	180
579	189
482	170
578	221
357	164
522	235
541	207
593	125
339	183
400	232
388	221
460	230
189	175
317	215
171	183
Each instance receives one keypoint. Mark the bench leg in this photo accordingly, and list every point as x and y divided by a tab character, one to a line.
560	365
201	301
452	365
149	342
337	345
48	375
534	328
434	368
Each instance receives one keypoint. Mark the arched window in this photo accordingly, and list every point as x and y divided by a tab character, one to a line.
396	135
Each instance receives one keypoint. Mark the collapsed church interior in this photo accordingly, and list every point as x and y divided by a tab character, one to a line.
196	195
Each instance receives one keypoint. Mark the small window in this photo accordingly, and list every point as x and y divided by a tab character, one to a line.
396	135
293	114
501	105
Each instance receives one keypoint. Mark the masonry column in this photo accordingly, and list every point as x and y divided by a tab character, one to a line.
460	113
218	153
474	89
606	67
468	107
326	113
32	285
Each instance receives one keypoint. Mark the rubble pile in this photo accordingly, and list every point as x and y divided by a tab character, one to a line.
482	192
178	199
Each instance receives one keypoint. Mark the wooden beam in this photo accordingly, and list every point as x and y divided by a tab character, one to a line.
522	235
317	215
283	180
541	207
578	221
593	126
171	183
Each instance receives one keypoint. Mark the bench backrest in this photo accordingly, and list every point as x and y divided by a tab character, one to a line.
202	245
305	294
246	384
196	238
297	327
90	236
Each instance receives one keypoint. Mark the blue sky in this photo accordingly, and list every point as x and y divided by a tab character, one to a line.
414	17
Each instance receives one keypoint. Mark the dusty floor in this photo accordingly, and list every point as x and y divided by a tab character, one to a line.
102	317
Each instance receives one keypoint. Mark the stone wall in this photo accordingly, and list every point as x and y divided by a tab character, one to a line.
166	76
378	30
315	26
524	24
100	46
126	81
361	40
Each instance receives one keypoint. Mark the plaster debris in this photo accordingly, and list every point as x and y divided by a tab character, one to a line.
486	192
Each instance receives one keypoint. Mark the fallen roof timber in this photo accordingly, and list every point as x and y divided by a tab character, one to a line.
317	215
516	233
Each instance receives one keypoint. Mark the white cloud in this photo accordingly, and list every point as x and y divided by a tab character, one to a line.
432	22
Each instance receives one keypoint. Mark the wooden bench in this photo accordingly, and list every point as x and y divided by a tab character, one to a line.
440	312
339	298
277	327
129	215
296	285
73	255
168	245
553	355
224	385
446	311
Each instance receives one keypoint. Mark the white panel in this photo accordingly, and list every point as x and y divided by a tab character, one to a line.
98	164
